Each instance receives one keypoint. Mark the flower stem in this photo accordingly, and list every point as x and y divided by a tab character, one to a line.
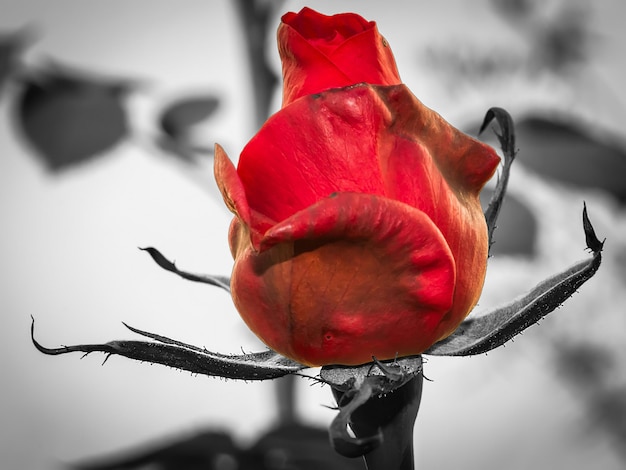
394	415
255	16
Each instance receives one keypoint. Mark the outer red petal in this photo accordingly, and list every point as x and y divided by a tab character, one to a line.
377	140
351	277
465	163
248	225
316	146
230	185
445	185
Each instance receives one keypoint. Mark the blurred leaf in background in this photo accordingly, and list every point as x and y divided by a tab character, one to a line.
293	447
11	47
69	116
177	120
565	150
559	37
590	369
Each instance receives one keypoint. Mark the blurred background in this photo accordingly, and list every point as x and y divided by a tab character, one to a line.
147	88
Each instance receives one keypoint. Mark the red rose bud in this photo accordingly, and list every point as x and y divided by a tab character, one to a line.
358	228
319	52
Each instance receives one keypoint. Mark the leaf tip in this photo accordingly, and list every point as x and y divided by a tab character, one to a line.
488	118
507	127
159	259
592	240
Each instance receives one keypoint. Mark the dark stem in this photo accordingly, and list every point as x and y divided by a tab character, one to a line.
255	16
286	400
394	415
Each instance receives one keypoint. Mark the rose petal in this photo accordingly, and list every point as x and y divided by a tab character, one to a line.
230	185
320	52
466	163
248	223
377	140
314	25
297	56
351	277
316	146
367	58
433	166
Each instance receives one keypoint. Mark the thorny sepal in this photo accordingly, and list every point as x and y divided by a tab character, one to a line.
172	353
507	143
486	332
163	262
379	401
348	402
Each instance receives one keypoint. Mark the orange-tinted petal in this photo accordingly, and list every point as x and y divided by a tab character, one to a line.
430	164
465	163
351	277
248	224
377	140
230	185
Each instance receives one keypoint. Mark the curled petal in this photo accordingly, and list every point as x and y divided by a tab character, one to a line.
352	276
230	185
172	353
484	333
249	221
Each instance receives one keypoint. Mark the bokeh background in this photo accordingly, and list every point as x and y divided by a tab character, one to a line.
554	398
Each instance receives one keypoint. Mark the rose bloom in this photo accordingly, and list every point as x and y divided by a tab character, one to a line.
358	230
